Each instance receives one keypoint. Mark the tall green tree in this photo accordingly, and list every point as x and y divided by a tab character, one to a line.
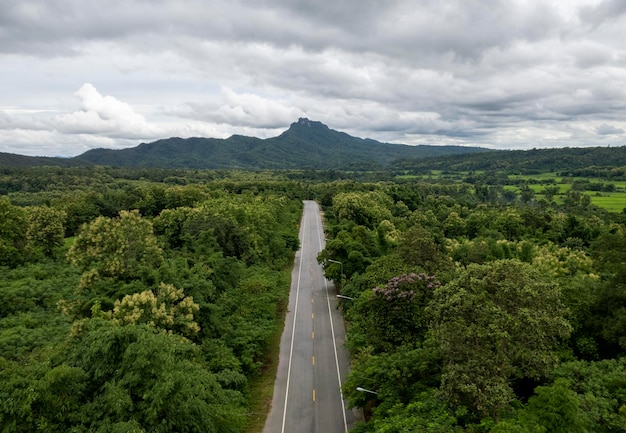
419	247
141	376
363	208
13	227
394	314
495	323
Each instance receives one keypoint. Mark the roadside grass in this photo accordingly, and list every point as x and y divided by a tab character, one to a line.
261	387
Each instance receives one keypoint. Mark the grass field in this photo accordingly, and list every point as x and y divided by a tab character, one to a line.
613	202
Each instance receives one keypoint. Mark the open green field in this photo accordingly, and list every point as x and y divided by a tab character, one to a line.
613	202
542	177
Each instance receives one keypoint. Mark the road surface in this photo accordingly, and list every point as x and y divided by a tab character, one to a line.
313	363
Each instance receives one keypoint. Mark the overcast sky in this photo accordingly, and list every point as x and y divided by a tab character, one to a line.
506	74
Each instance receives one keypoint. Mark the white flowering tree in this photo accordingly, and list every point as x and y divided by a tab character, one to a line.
115	248
168	309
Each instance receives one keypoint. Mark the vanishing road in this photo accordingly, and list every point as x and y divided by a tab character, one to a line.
313	362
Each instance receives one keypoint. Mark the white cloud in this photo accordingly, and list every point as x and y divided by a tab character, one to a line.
104	115
244	109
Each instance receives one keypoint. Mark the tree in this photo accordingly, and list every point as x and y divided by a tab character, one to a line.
355	246
526	194
398	376
495	323
115	248
80	208
45	229
599	387
418	247
454	225
509	223
169	226
425	414
550	191
141	377
13	226
168	309
557	409
607	319
393	315
580	397
363	208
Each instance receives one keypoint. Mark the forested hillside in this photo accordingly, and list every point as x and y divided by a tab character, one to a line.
305	145
520	161
149	300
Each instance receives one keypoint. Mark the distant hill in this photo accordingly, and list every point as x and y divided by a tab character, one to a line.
306	144
13	160
562	160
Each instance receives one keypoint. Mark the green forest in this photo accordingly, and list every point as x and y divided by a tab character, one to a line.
152	300
139	302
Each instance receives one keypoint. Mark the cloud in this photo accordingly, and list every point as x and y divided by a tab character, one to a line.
5	120
606	129
244	109
607	10
466	72
104	115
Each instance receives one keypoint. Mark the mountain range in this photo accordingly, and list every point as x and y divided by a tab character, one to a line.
306	144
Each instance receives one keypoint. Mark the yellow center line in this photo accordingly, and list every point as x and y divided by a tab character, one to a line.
313	335
313	360
313	395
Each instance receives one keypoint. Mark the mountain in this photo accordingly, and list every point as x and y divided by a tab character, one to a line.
306	144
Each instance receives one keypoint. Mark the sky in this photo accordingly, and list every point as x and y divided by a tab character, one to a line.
500	74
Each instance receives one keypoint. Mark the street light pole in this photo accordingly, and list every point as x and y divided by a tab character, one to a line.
340	264
358	388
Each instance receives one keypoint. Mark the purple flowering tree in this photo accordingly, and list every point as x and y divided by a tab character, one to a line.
394	314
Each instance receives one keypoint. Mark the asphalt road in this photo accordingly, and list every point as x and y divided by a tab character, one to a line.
313	363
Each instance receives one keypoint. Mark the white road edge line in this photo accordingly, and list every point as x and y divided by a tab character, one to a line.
332	329
293	331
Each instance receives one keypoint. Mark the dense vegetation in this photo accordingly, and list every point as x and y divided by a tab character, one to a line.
149	299
535	161
480	309
135	305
